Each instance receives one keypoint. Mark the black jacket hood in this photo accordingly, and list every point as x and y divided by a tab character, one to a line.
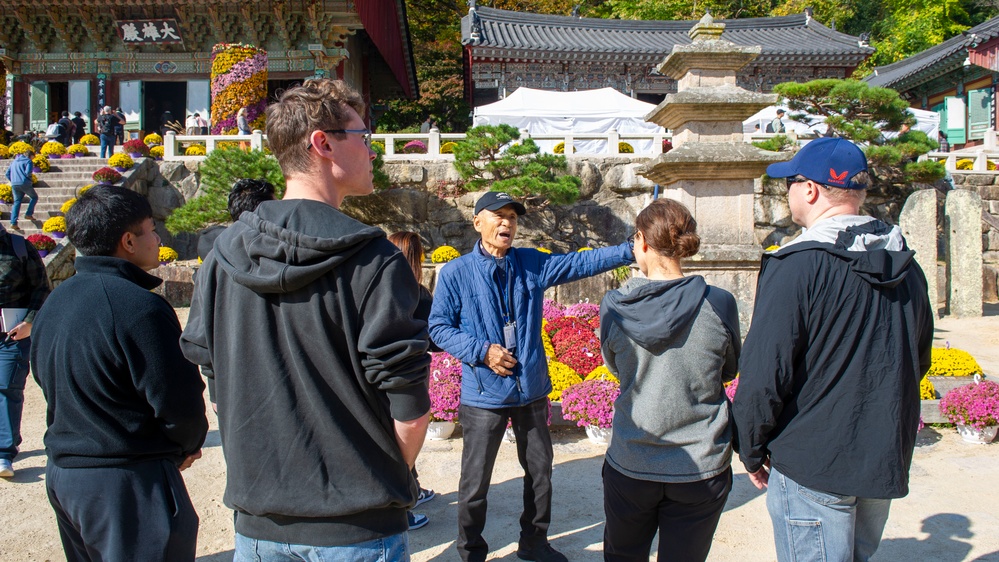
285	245
652	312
864	247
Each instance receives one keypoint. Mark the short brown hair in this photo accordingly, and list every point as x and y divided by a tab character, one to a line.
669	229
316	105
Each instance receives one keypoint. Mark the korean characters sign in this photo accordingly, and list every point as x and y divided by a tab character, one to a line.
148	32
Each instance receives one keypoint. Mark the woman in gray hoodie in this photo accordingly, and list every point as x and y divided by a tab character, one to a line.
672	341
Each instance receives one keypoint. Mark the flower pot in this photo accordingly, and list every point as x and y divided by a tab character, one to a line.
36	170
440	430
119	169
599	435
972	434
43	253
58	234
135	155
103	182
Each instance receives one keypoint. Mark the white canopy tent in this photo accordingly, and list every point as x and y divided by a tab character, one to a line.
926	121
542	112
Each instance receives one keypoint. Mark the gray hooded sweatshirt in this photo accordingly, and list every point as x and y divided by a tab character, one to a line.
672	344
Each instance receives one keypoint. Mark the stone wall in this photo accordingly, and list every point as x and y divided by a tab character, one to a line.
60	263
986	184
428	200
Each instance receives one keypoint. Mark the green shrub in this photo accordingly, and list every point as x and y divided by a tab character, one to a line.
219	171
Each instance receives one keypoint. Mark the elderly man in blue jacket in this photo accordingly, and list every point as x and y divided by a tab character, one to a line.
487	313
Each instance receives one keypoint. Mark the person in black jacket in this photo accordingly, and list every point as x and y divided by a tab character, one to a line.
81	127
323	416
828	397
125	409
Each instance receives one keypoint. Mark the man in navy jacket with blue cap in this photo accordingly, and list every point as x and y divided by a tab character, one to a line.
487	313
828	397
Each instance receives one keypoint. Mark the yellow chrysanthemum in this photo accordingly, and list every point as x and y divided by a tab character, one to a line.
546	340
195	150
66	206
157	152
562	377
90	140
953	362
78	149
602	373
6	193
926	390
444	254
53	148
152	139
20	147
121	160
54	224
168	254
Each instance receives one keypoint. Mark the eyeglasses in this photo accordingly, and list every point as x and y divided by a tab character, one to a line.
795	179
365	132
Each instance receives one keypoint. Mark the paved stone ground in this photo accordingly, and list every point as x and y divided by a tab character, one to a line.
950	515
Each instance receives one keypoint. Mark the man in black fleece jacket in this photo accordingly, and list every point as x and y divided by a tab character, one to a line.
125	409
307	317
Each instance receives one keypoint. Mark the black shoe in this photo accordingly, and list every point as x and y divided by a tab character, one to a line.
541	553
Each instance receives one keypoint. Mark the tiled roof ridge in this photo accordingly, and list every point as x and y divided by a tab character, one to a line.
985	31
530	18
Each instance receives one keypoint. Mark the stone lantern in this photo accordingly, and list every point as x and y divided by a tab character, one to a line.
711	169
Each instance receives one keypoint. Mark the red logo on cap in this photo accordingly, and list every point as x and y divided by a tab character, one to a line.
837	178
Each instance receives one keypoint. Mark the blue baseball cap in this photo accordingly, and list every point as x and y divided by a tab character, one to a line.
829	161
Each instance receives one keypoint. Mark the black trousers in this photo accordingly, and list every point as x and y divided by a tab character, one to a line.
483	432
686	516
124	513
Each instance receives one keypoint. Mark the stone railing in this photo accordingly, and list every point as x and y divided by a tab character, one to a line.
980	155
434	140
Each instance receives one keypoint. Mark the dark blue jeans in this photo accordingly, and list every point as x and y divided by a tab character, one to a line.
483	431
107	144
13	374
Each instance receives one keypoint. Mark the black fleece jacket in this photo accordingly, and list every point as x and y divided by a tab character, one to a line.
104	350
830	370
308	319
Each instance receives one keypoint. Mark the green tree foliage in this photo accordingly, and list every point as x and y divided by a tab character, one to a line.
861	113
490	157
907	27
219	171
774	144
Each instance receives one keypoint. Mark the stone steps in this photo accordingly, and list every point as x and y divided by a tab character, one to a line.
54	187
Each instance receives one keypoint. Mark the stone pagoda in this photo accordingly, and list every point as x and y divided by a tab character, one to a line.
711	169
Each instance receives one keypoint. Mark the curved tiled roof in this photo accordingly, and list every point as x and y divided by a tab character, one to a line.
935	61
797	36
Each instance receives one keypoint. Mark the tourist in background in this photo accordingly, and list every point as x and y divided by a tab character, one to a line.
81	127
24	286
202	124
777	125
119	128
19	173
192	125
68	129
106	124
671	340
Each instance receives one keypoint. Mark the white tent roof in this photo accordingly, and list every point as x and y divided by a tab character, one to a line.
926	121
602	103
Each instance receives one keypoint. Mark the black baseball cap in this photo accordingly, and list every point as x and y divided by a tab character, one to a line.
496	200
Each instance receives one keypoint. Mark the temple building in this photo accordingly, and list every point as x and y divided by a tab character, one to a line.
956	78
504	50
151	56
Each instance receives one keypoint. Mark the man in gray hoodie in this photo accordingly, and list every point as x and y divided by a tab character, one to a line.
828	397
307	317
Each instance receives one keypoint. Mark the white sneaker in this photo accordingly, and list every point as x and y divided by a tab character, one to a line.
6	470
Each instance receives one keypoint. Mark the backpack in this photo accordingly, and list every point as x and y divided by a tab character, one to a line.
54	131
770	128
107	128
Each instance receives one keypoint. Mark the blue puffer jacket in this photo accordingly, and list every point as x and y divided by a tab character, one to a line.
467	317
